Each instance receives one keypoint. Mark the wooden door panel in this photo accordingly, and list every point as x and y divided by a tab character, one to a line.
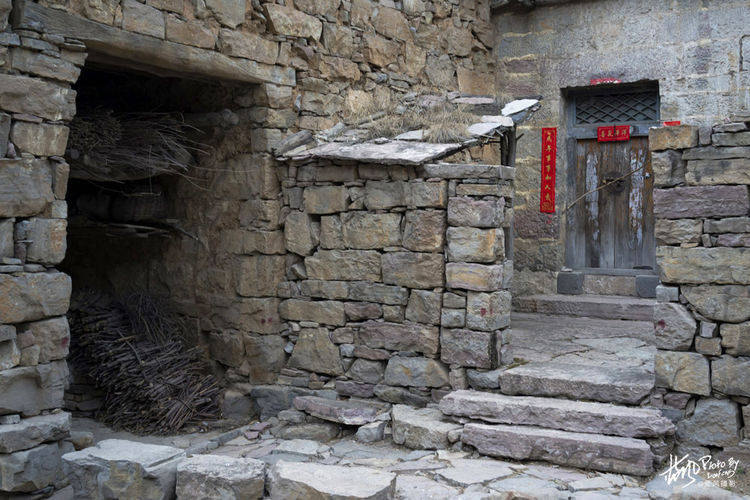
614	225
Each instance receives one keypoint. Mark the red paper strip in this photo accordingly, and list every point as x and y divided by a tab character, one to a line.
622	132
599	81
613	133
549	160
672	123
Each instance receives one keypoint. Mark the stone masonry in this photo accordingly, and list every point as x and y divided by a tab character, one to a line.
701	320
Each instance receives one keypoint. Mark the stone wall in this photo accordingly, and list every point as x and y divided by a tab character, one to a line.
701	319
691	47
36	101
371	306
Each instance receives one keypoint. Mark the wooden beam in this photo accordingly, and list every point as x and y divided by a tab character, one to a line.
146	51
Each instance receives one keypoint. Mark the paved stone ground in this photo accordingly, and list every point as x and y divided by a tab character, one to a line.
589	341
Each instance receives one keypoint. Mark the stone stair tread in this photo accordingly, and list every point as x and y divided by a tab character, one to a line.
577	449
349	412
609	384
562	414
595	306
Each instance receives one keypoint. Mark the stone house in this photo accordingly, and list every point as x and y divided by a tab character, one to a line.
384	270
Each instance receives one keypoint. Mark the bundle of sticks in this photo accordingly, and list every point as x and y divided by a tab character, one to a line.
132	350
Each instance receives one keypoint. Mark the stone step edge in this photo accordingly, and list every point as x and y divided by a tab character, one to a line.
577	449
564	414
585	306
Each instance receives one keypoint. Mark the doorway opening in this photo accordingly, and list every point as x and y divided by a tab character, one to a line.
134	149
610	221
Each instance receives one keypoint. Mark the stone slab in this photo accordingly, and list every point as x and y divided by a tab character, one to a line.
591	451
213	476
594	306
309	480
33	431
598	383
563	414
389	153
421	429
349	412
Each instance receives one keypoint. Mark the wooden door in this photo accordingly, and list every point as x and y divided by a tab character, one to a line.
614	226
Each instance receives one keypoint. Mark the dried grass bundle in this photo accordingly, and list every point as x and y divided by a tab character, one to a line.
132	349
106	146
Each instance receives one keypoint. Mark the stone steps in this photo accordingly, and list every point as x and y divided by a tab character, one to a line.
608	384
576	449
594	306
562	414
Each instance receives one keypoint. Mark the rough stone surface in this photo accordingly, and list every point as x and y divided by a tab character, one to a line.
469	244
399	336
328	312
343	412
715	422
22	94
325	199
423	307
736	338
305	480
477	277
421	429
606	453
488	311
721	303
123	469
470	348
465	211
314	351
674	326
213	476
298	233
30	389
682	371
415	372
704	265
677	231
354	265
33	431
408	486
675	137
414	270
464	472
700	201
30	470
608	384
291	22
51	335
563	414
364	230
25	187
730	375
33	296
424	230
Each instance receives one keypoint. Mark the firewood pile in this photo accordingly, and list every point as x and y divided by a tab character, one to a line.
132	349
108	146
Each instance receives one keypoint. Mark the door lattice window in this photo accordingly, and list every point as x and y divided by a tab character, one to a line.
613	108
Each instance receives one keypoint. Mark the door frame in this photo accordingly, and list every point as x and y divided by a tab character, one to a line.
576	132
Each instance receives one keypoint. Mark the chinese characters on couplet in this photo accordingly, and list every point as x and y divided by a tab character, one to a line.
549	155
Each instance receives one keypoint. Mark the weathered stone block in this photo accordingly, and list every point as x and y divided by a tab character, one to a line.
465	211
343	412
708	346
51	335
730	375
379	51
682	371
45	239
358	311
645	286
675	137
736	338
248	45
260	275
291	22
264	357
22	94
355	265
674	326
427	194
416	372
331	232
40	139
189	32
399	336
453	318
31	389
33	431
470	348
261	214
230	13
729	139
142	18
714	172
421	429
365	370
328	312
310	480
365	230
423	307
488	311
469	244
715	422
477	277
677	231
315	352
384	195
668	168
729	225
375	292
721	303
392	24
123	469
226	348
414	270
32	296
704	265
299	234
10	354
25	186
700	202
424	230
215	476
30	470
325	199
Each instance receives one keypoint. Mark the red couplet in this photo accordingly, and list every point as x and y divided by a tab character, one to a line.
549	156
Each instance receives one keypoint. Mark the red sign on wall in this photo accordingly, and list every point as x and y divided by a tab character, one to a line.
549	159
600	81
613	133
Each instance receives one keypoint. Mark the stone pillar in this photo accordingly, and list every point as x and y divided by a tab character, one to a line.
36	102
701	205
